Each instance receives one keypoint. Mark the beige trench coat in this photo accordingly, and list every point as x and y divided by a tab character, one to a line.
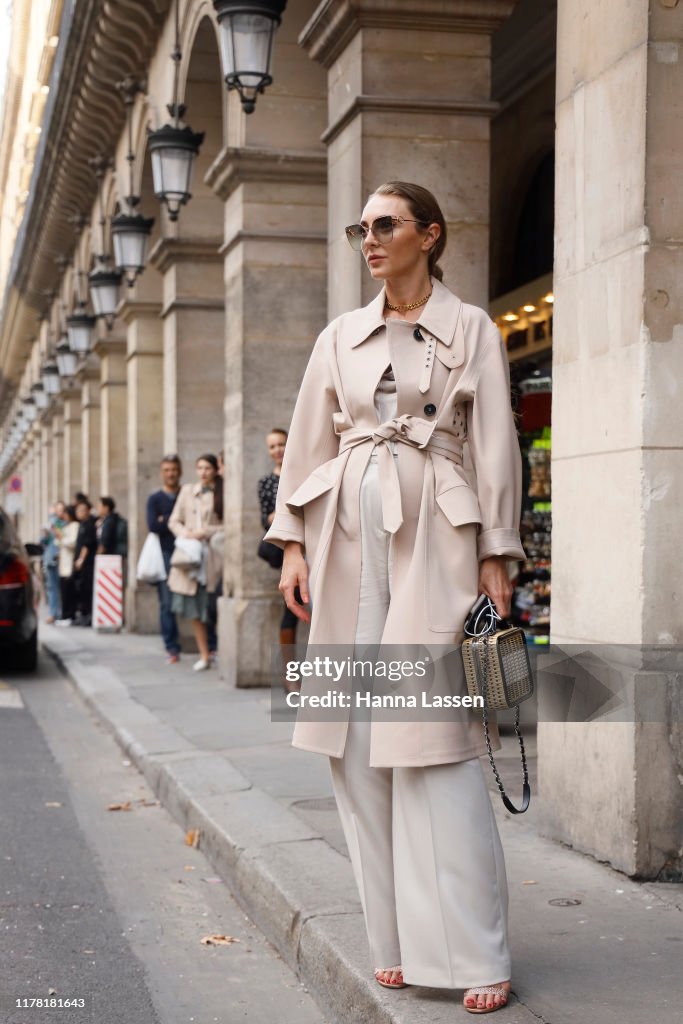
445	515
194	511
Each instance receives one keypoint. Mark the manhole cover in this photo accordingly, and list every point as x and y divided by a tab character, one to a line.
566	902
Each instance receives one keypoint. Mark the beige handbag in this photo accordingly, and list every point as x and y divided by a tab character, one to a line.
497	668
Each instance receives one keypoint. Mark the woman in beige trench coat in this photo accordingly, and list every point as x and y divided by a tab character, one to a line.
398	504
194	517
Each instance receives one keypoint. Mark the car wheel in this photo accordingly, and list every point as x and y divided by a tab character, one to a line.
26	655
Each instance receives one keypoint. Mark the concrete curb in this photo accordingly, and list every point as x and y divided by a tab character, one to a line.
292	884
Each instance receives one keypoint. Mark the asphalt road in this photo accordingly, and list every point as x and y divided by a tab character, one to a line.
110	906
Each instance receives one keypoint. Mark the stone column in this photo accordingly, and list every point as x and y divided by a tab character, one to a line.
73	436
47	456
91	450
40	505
145	355
393	81
613	789
273	186
113	408
193	316
56	476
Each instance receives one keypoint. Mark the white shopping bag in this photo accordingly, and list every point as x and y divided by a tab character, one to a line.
151	568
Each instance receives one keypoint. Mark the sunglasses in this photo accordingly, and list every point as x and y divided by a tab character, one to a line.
382	229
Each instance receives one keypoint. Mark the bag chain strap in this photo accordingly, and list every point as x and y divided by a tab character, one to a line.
526	789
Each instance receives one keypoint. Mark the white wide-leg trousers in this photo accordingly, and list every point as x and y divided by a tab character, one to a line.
423	842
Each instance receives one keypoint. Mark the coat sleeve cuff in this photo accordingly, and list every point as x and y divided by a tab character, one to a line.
284	527
499	542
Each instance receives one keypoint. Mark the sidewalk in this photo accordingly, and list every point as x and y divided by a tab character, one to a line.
269	825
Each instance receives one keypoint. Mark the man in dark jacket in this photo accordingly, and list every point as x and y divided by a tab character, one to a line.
159	507
107	532
84	564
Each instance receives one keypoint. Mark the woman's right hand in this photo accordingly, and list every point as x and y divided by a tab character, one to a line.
295	574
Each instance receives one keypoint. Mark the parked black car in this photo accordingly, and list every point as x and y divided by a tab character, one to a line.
18	620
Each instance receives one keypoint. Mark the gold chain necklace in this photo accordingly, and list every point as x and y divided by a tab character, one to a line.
408	305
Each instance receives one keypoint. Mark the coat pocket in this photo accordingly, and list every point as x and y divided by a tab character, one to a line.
459	504
318	482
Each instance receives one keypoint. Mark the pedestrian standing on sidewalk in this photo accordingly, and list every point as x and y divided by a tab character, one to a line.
107	528
50	541
216	554
67	554
375	503
194	518
159	507
276	441
84	564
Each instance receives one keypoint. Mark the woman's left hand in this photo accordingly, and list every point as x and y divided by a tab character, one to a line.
495	582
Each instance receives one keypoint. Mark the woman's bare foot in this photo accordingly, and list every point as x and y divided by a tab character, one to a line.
485	998
390	977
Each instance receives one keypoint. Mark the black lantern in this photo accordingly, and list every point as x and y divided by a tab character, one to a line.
174	146
50	377
173	149
67	361
79	328
104	281
30	409
104	291
39	396
247	31
130	231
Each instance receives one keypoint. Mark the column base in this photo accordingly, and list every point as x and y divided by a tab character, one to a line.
248	638
142	609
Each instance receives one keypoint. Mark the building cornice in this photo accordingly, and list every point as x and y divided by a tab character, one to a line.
335	22
100	43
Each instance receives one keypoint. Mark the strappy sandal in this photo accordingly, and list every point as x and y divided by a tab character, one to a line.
389	970
485	990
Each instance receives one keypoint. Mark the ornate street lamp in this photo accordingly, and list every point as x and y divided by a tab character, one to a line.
67	361
174	146
104	281
247	31
39	396
80	326
30	409
130	231
50	377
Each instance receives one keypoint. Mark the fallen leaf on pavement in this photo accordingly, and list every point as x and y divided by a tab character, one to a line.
192	837
120	807
219	940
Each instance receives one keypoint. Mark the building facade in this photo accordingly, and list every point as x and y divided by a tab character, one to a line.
546	131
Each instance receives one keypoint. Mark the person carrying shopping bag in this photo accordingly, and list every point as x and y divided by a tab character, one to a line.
195	567
391	538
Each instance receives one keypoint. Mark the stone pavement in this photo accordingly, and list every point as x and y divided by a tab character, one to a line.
269	826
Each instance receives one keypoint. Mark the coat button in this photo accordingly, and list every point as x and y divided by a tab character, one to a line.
417	334
429	410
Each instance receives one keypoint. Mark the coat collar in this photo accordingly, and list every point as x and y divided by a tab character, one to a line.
441	317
